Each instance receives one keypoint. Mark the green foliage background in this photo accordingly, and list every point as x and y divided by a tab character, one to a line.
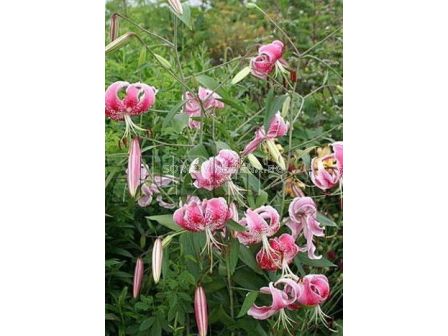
220	33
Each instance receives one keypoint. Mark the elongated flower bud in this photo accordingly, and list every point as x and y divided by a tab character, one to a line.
157	257
114	26
176	6
134	167
254	161
138	277
201	311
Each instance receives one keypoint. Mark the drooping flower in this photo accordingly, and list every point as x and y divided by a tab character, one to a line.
282	299
206	215
326	168
138	277
314	290
277	128
151	188
138	98
303	219
284	249
157	258
269	55
134	171
260	224
206	101
201	310
176	6
216	171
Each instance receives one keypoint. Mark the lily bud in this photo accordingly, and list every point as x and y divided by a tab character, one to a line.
157	257
275	154
138	277
254	161
114	26
134	167
201	311
176	6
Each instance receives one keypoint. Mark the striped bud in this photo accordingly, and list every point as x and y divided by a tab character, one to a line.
138	277
157	257
275	154
134	167
254	161
201	311
120	41
176	6
114	26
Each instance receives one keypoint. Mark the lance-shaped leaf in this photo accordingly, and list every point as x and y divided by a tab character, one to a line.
241	75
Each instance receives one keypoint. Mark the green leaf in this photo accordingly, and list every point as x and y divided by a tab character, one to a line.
221	145
233	255
171	114
247	258
186	16
208	82
163	61
230	101
231	224
146	324
198	151
322	262
142	57
262	198
166	220
180	121
324	220
248	302
241	75
272	107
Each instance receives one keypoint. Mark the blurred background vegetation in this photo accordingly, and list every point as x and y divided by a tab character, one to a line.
221	31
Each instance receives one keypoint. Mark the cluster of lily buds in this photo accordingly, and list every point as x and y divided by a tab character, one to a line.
206	102
138	98
201	310
291	294
269	55
303	219
206	215
327	168
216	171
277	128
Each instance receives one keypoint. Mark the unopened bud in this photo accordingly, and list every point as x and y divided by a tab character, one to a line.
254	162
176	6
157	258
201	311
138	277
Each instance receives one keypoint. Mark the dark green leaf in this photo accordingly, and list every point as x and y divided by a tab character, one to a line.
231	224
248	302
233	255
198	151
146	324
208	82
247	258
324	220
166	220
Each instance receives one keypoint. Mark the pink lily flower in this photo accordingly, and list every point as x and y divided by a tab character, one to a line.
260	224
138	277
216	171
338	153
303	218
148	190
315	289
134	167
139	97
201	310
206	215
268	56
193	108
277	128
281	299
325	172
284	251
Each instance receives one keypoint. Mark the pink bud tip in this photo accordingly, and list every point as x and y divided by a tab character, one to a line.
138	277
200	311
